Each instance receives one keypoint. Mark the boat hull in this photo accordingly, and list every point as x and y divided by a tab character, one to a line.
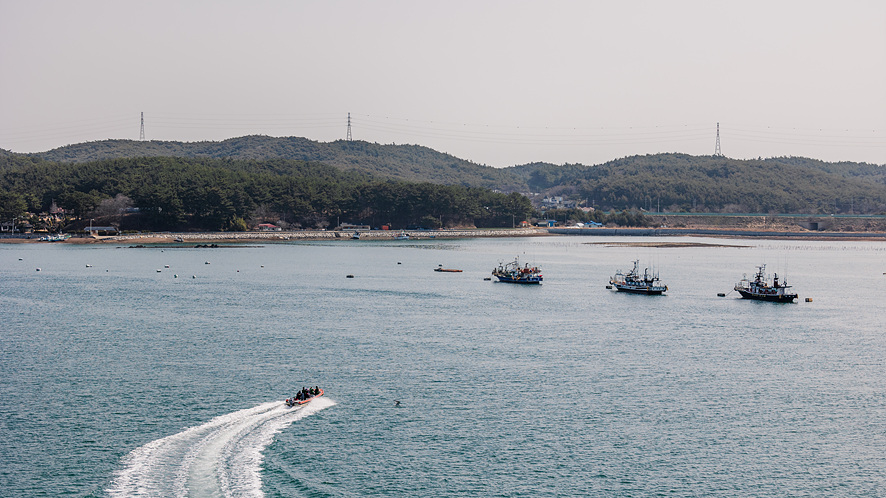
510	280
775	298
651	291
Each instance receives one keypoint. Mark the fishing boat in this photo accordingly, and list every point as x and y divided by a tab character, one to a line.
450	270
759	288
61	237
632	281
303	397
402	236
513	273
356	236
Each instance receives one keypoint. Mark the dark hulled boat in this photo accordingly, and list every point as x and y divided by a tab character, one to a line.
760	289
632	281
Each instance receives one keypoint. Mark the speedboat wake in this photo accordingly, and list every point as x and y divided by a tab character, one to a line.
221	458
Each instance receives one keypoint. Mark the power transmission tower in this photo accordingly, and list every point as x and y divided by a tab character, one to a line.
141	134
717	151
349	128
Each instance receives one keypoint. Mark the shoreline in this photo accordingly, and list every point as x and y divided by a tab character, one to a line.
737	233
204	237
390	235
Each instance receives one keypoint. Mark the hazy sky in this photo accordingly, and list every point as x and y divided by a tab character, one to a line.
495	82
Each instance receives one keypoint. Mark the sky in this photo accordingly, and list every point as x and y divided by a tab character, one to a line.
498	83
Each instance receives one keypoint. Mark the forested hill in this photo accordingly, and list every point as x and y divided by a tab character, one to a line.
669	182
680	182
174	193
399	162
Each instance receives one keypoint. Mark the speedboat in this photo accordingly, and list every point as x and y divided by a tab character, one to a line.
294	401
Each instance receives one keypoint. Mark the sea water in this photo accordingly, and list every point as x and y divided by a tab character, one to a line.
161	371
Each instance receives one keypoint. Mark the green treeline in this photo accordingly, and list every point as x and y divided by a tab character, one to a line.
222	194
666	182
412	163
214	185
684	183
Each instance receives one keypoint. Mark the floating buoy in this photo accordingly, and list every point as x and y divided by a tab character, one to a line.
88	265
107	271
399	263
38	269
262	266
206	263
350	276
165	266
193	276
720	294
488	278
159	270
608	286
808	299
176	275
19	259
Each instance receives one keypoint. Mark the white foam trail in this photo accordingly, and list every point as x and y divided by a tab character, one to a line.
221	458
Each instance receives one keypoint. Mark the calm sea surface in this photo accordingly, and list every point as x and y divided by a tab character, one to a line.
117	379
